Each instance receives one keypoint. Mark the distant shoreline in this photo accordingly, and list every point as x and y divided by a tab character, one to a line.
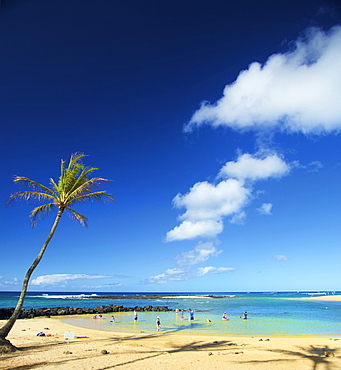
333	298
157	296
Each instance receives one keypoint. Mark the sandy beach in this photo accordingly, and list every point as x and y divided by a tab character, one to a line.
333	298
162	350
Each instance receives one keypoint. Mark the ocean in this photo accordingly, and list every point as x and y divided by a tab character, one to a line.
269	313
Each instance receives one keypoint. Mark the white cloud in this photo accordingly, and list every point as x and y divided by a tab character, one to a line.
185	265
281	257
62	278
105	286
210	201
14	281
314	166
249	167
265	209
169	275
207	204
297	91
193	229
201	253
213	270
238	218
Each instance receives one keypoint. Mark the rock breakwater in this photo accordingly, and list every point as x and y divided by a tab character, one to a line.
5	313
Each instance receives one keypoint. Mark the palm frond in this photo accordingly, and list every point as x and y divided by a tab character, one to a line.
87	187
28	195
75	158
40	212
98	195
78	217
72	177
54	185
32	183
82	178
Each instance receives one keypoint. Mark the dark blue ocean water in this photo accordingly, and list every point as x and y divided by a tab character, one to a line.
268	312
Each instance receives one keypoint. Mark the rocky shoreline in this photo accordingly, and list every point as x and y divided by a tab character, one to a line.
5	313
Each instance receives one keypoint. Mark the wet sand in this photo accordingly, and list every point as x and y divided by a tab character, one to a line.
162	350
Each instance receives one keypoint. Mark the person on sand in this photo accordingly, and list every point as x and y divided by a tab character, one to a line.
158	324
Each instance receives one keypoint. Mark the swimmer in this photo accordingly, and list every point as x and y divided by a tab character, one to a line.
224	316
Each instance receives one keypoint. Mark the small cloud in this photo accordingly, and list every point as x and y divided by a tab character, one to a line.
314	166
185	265
255	167
63	278
281	257
105	286
238	218
201	253
13	282
214	270
265	209
192	229
174	274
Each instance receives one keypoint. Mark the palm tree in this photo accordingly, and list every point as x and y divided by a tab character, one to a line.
74	186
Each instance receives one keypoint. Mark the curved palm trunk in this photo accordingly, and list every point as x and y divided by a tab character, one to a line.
4	330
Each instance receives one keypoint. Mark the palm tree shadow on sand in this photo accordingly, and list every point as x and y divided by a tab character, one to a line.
320	357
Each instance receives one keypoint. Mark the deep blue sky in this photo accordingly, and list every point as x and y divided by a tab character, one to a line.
123	81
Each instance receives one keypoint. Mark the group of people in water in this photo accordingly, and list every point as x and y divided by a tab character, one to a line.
158	320
242	317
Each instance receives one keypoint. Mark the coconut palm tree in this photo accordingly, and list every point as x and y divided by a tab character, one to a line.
73	186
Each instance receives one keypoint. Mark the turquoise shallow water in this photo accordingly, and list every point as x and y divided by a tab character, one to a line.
284	313
234	326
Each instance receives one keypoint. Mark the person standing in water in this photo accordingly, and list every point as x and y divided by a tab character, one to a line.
191	315
158	324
